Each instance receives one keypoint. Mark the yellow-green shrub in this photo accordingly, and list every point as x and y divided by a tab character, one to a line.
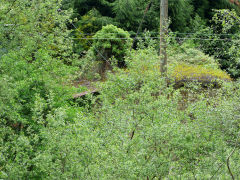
190	72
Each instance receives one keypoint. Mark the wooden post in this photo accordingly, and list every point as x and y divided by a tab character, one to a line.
163	36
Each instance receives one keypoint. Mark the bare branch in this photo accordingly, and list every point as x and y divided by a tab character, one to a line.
217	171
228	164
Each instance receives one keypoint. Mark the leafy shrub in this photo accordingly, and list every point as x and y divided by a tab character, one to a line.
111	42
190	55
87	26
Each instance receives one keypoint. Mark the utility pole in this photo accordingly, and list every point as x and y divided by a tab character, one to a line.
163	36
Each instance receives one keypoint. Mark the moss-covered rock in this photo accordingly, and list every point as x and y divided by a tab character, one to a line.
189	73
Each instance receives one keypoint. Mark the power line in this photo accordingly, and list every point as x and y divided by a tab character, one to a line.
190	33
207	34
180	38
206	39
133	33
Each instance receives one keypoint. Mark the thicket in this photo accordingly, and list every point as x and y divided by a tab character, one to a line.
139	127
35	67
139	130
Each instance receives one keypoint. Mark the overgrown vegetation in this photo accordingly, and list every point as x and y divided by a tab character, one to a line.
140	126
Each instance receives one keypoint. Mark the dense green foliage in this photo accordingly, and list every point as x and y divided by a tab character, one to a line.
224	45
128	14
185	17
139	126
111	42
35	63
